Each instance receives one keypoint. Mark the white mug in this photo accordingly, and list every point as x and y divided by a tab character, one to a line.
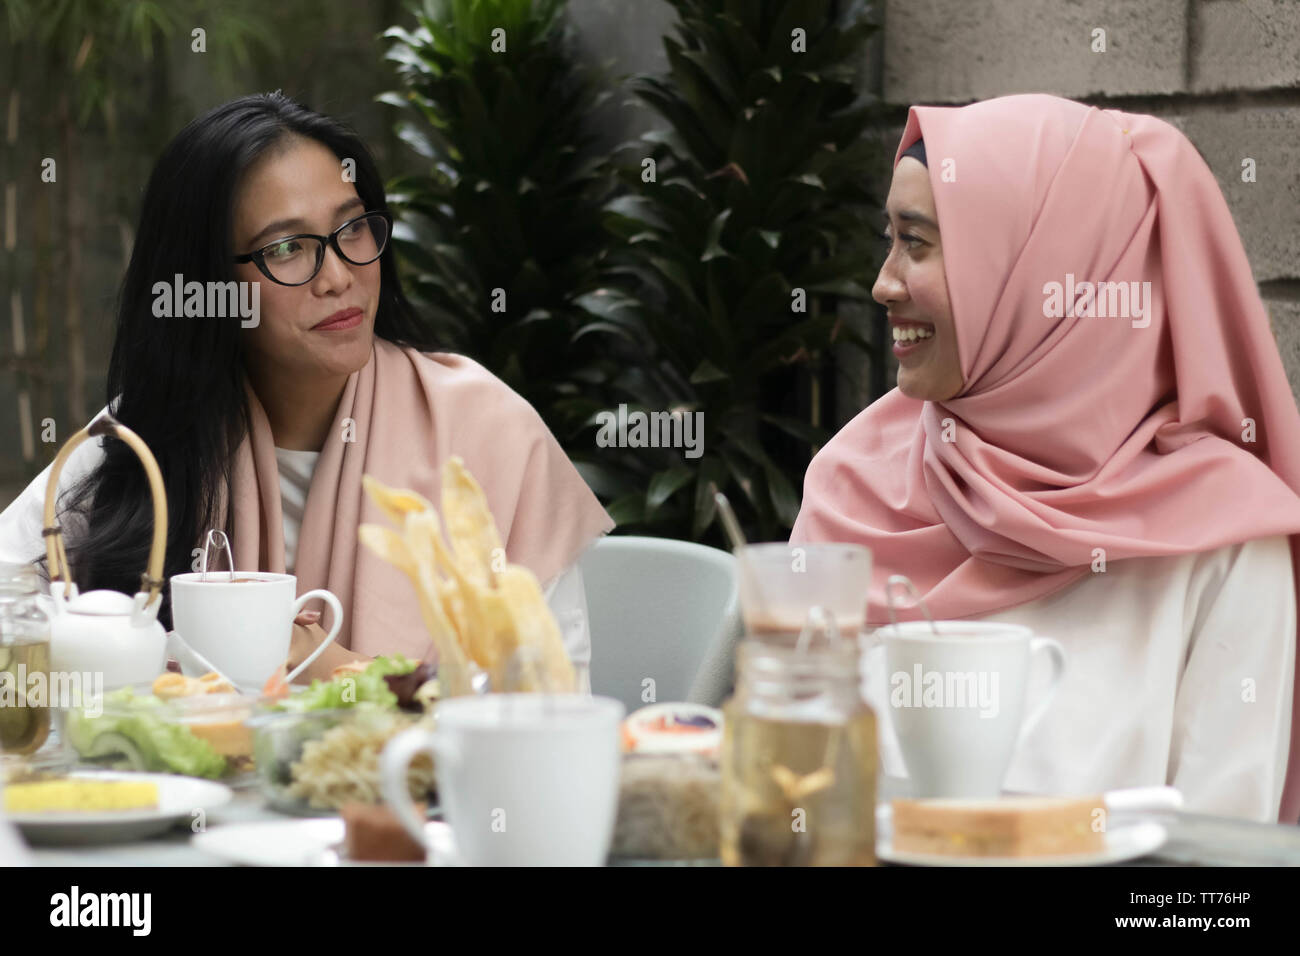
523	779
241	629
957	700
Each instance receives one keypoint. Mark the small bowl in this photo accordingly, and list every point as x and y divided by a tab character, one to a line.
312	762
673	728
205	735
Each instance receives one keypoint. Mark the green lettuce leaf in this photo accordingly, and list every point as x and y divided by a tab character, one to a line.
133	726
349	690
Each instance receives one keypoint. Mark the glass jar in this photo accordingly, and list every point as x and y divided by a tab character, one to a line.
24	662
799	756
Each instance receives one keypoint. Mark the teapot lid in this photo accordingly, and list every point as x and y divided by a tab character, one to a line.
105	602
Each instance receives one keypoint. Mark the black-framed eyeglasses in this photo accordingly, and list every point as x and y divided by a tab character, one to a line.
295	260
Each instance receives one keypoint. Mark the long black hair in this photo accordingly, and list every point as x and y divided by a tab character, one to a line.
179	382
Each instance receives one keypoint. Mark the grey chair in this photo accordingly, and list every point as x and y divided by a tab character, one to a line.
663	616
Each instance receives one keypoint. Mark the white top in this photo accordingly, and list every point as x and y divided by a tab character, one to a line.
296	469
1179	671
21	541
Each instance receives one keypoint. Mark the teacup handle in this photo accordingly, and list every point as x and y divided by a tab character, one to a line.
1057	653
337	608
395	765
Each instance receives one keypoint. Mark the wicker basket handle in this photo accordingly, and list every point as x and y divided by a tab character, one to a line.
151	581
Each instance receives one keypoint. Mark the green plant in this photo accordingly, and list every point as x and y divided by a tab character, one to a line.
502	231
89	59
745	224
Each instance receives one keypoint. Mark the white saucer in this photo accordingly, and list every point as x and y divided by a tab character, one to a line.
1123	842
305	843
178	799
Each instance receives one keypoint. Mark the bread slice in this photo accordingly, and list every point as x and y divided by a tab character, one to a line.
374	834
1009	826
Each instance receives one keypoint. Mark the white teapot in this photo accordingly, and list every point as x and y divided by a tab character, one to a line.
105	631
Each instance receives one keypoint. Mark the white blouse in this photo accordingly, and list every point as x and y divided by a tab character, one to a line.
296	469
22	521
1179	671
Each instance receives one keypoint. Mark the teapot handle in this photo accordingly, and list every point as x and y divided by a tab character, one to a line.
151	582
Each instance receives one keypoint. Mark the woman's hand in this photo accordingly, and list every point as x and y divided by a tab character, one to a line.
307	636
307	617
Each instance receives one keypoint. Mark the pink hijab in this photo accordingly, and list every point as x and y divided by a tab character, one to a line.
410	411
1080	432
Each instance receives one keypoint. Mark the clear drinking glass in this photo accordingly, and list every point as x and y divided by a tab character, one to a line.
799	758
780	582
24	662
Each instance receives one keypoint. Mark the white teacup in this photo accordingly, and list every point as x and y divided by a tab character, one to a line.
241	628
956	700
523	779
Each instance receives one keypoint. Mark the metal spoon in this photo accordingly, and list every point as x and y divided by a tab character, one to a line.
729	522
738	545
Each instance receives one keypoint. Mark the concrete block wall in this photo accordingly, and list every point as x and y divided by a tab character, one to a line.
1226	72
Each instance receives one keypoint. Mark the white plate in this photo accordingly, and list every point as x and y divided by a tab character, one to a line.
178	798
1126	841
304	843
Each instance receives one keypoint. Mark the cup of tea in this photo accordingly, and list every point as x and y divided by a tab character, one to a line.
240	624
779	583
955	693
523	779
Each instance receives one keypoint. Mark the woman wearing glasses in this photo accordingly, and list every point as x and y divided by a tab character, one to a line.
264	426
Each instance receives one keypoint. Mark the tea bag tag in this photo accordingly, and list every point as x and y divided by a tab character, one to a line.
219	540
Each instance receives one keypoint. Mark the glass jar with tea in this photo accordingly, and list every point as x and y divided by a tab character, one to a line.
799	756
24	662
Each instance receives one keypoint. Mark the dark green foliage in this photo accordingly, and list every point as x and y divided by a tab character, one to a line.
681	293
512	194
760	190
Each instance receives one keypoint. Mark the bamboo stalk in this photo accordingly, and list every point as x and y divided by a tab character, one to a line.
27	439
25	425
73	230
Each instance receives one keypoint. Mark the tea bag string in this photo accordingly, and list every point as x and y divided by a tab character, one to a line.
219	539
795	786
917	601
818	619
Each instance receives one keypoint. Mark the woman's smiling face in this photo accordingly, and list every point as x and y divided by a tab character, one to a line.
299	189
913	287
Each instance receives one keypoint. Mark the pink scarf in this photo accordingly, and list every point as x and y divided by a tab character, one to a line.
411	410
1080	432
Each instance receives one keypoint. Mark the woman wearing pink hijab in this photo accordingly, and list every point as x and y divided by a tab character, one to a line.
1115	465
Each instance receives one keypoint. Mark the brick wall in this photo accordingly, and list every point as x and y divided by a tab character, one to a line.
1225	72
